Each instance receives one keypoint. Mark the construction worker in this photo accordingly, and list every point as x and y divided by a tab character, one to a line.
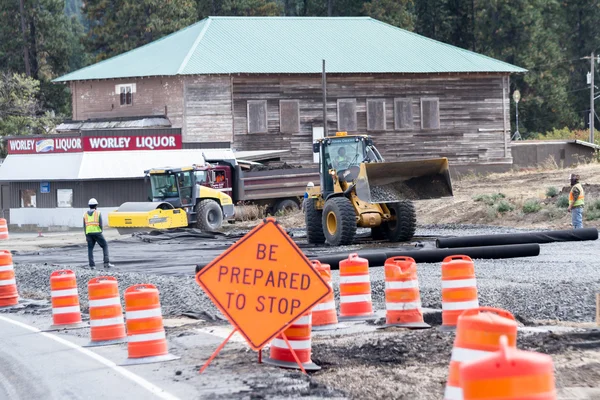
576	202
341	160
92	224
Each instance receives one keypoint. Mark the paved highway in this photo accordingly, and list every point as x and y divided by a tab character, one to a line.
40	365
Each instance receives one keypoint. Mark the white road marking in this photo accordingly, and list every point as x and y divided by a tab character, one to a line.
160	393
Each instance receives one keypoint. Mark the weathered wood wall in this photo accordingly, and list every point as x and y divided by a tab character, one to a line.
472	109
153	96
207	109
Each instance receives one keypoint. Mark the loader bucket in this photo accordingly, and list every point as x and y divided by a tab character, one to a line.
143	217
389	182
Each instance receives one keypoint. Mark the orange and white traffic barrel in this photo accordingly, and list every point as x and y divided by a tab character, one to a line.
106	314
477	336
402	295
66	312
355	289
8	284
3	229
298	335
146	337
459	289
324	314
509	374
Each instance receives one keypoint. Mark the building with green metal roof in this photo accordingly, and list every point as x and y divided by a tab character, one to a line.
254	83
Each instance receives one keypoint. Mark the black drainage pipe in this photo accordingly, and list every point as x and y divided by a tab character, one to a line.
377	258
518	238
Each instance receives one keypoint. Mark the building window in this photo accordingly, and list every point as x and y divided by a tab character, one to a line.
403	114
289	116
126	93
430	113
64	198
347	115
376	115
257	116
28	198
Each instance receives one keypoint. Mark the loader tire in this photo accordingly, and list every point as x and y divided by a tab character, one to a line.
314	224
403	227
377	233
339	221
209	216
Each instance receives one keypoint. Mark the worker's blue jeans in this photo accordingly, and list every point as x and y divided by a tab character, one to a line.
92	239
577	217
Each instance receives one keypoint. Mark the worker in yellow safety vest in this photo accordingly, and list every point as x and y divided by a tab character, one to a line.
92	224
576	202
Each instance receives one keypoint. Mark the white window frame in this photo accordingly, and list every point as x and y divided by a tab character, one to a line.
437	100
408	100
369	127
266	120
340	119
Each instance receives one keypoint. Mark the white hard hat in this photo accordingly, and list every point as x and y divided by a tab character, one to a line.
93	202
310	184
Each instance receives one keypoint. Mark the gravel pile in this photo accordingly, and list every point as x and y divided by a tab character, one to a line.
178	294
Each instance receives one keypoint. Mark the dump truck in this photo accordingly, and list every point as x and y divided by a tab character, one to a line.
209	186
179	199
358	188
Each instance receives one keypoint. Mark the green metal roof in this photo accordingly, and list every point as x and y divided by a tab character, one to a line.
294	45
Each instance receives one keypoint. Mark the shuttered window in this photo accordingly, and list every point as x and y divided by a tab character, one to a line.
289	116
376	115
403	114
347	115
430	113
257	116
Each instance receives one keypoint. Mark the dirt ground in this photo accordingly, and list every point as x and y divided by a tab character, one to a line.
517	187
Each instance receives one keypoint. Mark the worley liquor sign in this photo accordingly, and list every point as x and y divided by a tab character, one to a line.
95	143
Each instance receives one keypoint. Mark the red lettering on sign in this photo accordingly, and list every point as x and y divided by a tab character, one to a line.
115	143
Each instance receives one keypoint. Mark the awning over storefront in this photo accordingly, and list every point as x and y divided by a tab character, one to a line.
101	165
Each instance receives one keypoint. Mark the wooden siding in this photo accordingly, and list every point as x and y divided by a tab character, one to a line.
153	96
109	193
471	112
207	104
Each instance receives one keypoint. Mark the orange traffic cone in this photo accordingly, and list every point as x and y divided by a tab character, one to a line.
106	315
459	289
298	334
509	374
477	336
8	285
324	315
66	312
147	342
355	289
402	295
3	229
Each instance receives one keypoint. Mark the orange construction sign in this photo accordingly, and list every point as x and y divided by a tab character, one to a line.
263	283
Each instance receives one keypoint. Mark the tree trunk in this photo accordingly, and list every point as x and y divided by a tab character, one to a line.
25	48
33	49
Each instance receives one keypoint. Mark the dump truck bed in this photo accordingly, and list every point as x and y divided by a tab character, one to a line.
273	184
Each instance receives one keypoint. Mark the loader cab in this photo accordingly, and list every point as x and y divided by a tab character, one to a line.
341	153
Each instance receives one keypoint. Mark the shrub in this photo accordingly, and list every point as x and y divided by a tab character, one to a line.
531	206
552	212
562	202
551	192
489	200
504	206
595	205
592	215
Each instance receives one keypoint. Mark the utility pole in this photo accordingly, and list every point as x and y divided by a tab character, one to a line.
592	110
324	83
25	48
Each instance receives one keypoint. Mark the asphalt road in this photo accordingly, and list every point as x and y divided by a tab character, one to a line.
39	365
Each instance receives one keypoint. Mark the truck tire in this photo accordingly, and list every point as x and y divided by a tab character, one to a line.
403	227
209	216
285	206
377	233
339	221
314	224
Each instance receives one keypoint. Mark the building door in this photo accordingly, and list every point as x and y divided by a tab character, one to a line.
317	134
5	203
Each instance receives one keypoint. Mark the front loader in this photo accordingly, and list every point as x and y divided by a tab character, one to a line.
178	200
359	189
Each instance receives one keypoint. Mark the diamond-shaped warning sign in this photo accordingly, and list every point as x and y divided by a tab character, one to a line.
263	283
